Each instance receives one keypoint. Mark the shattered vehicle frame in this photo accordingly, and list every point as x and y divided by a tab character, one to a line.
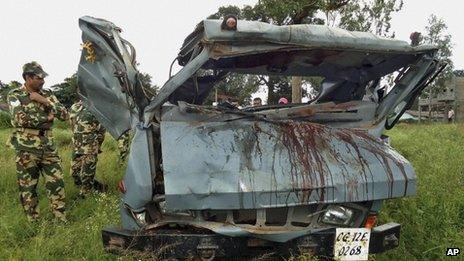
210	181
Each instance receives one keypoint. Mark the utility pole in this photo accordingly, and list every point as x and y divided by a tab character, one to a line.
296	89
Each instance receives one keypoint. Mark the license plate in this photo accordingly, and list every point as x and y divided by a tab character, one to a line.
352	243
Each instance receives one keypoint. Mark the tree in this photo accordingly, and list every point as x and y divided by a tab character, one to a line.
436	35
6	88
149	88
66	92
459	73
238	86
366	15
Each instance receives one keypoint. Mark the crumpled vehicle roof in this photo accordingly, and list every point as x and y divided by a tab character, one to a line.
302	35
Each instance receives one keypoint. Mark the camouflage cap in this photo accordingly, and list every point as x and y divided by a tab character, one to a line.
34	68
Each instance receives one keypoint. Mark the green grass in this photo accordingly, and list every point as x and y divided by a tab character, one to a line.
434	219
431	221
5	120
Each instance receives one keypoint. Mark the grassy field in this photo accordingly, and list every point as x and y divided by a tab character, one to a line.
81	238
432	221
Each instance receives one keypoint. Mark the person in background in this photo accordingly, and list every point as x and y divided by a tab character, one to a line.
283	100
124	146
257	102
87	138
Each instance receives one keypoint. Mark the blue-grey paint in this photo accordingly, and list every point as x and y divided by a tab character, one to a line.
250	164
138	179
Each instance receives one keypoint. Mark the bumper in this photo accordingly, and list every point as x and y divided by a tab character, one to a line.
182	243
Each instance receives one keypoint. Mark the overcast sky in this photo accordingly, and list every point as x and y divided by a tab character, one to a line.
47	31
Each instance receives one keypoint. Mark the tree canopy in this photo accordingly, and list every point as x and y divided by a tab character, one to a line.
436	35
5	88
149	88
65	92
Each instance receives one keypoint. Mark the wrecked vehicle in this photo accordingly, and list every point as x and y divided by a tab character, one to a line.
211	182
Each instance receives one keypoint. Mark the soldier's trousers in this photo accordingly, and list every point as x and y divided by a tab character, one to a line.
123	146
29	166
83	167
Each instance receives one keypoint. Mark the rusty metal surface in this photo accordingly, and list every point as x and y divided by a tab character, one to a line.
295	222
247	164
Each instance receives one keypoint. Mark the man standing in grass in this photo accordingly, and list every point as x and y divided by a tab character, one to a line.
33	110
88	135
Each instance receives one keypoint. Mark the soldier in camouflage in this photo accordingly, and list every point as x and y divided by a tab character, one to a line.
88	135
123	146
33	110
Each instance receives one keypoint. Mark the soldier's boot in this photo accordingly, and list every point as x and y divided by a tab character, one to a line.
85	190
100	187
60	214
88	175
30	206
76	168
77	182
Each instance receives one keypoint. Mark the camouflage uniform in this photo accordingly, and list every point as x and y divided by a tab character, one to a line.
35	150
88	135
123	146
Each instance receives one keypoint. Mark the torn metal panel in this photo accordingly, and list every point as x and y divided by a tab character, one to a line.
248	164
403	91
138	178
274	224
175	82
107	78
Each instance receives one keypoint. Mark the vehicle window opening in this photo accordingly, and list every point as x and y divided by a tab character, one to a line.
215	216
276	216
244	216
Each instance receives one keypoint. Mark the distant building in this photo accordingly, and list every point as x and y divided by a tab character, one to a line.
452	97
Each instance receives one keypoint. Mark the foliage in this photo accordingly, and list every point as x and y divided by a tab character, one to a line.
149	88
277	87
65	92
436	35
239	86
459	73
5	88
5	120
367	16
61	124
432	220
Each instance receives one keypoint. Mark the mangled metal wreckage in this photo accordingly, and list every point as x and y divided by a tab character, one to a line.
213	181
